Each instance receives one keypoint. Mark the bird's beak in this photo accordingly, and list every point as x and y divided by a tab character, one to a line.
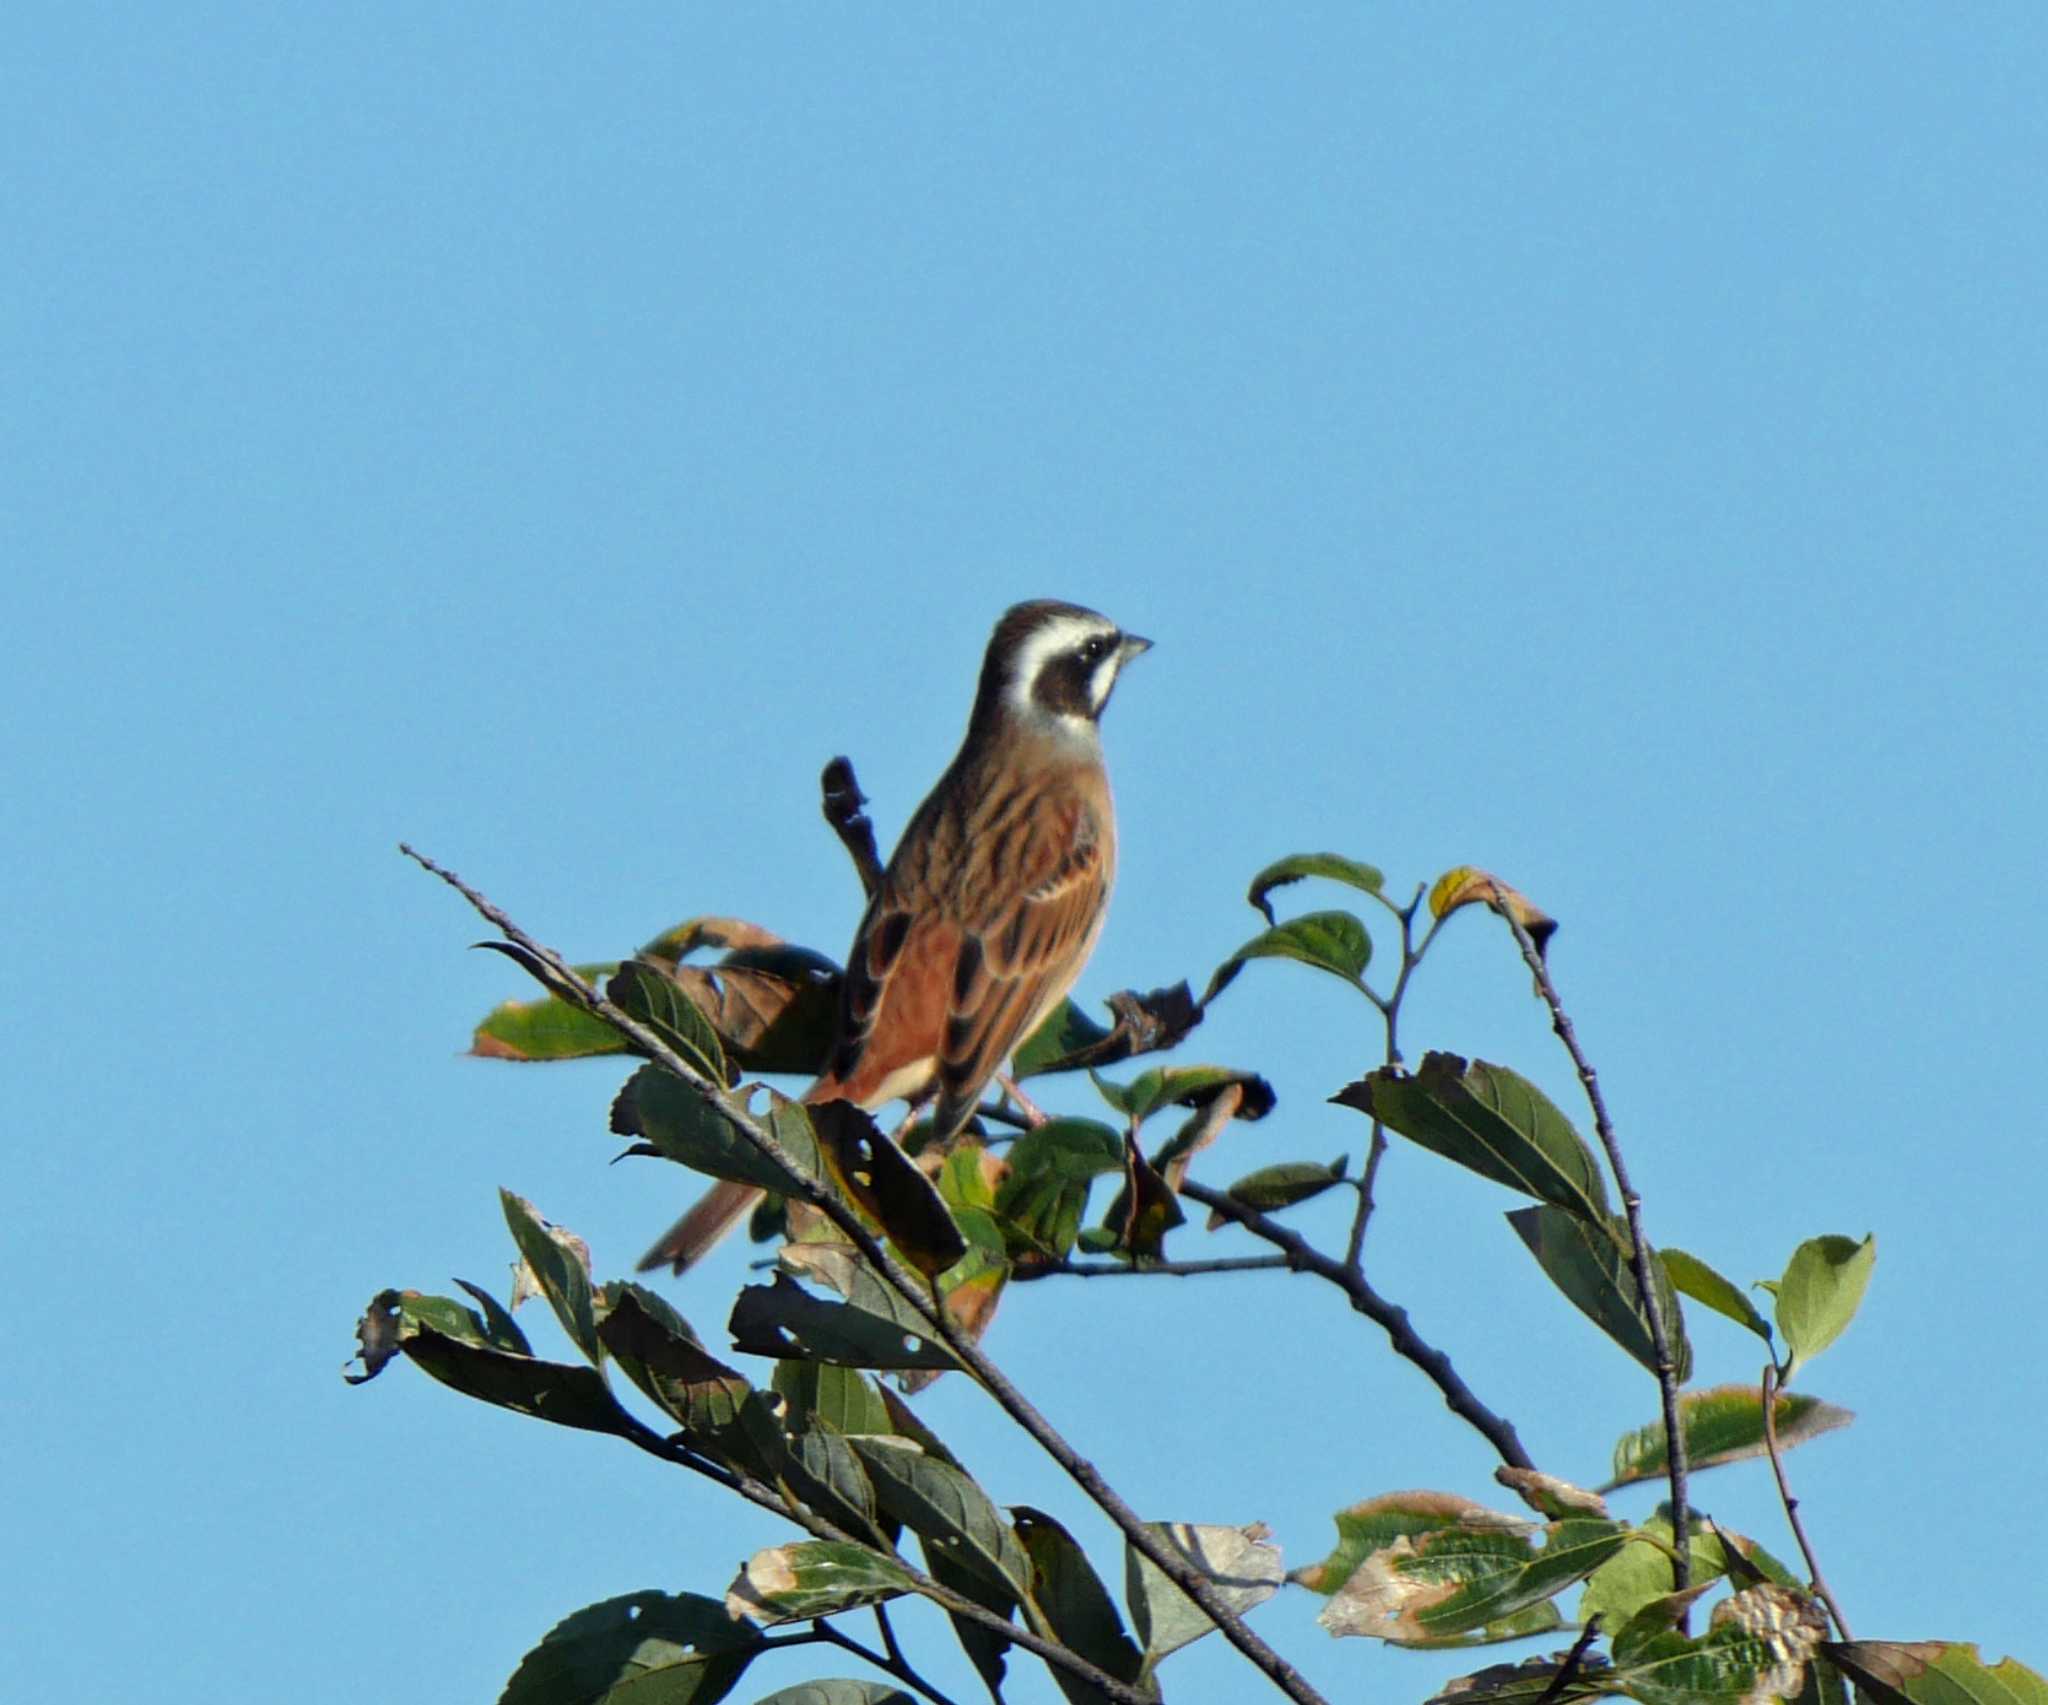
1132	644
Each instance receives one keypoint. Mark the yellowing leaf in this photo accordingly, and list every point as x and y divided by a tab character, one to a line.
1468	885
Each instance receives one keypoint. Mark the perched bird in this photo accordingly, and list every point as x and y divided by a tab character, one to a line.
991	903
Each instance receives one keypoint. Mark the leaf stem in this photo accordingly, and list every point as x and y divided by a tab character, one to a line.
1820	1584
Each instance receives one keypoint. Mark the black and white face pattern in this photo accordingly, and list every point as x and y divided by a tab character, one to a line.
1063	662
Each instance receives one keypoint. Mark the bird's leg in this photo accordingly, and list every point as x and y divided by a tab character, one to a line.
1033	1118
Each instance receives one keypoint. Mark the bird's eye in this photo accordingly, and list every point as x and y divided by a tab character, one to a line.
1092	650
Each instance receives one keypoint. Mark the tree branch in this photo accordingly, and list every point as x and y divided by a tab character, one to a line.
1401	1334
1639	1252
1820	1584
941	1326
1176	1269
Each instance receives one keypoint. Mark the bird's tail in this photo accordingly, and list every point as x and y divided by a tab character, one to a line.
716	1212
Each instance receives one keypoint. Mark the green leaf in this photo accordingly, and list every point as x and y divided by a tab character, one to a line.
1335	942
1460	1578
946	1509
843	1398
560	1266
840	1692
1525	1683
1074	1604
1640	1572
1819	1294
501	1331
1540	1618
1283	1185
1186	1086
1758	1648
1243	1568
1068	1031
826	1475
642	991
683	1124
551	1391
1722	1423
878	1330
1491	1120
1391	1517
692	1386
795	1583
1041	1203
548	1029
681	1649
1935	1672
1589	1264
1692	1276
1298	865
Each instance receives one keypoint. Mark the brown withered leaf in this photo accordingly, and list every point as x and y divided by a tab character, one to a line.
773	1006
692	933
1142	1024
1145	1209
1468	885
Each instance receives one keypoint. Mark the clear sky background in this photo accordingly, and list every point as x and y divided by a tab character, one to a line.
1597	443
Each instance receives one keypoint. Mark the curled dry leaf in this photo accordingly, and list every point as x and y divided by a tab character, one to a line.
1790	1623
1547	1495
1468	885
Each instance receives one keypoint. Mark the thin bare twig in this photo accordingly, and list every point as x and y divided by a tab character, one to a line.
1639	1251
918	1296
1820	1583
1393	1320
1572	1659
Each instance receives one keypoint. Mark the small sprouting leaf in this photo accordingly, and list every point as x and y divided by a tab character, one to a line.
560	1264
1590	1264
796	1583
1819	1294
1723	1423
1935	1672
1489	1119
687	1641
1694	1278
547	1029
1335	942
1298	865
1283	1185
1076	1606
1243	1567
1468	885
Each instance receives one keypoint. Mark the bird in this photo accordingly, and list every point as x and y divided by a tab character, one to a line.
991	903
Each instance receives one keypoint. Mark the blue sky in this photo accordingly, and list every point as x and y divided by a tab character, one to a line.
1594	443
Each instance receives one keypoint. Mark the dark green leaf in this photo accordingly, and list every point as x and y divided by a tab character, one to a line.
1076	1606
1529	1682
1293	868
880	1331
845	1399
840	1692
684	1642
642	990
1819	1294
1723	1423
1185	1086
1491	1120
945	1508
552	1391
681	1123
1068	1032
1590	1266
1692	1276
1281	1186
560	1266
888	1184
1335	942
1043	1198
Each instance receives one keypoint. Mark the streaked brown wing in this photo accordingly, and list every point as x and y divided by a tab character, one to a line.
1020	952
